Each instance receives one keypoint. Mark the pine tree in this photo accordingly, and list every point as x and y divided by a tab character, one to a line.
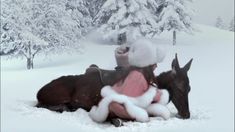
219	23
30	27
59	27
8	39
176	16
94	6
17	36
79	11
126	17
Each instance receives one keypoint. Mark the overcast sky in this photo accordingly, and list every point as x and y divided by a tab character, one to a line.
208	10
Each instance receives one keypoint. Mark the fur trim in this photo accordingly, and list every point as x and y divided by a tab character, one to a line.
141	101
144	100
142	53
100	113
137	107
107	91
138	113
159	110
164	99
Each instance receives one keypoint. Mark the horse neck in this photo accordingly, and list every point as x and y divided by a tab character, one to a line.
164	81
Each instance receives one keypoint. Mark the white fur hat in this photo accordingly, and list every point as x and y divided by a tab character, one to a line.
142	53
160	54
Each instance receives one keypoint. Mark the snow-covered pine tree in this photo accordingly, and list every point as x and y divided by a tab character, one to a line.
94	6
9	32
30	27
176	16
58	27
29	46
17	26
79	11
122	17
219	23
231	25
8	39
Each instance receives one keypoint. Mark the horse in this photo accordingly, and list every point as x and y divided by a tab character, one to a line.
68	93
176	82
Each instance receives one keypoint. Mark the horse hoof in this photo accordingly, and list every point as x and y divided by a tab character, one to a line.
117	122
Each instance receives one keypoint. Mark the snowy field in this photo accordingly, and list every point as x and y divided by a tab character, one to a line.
211	77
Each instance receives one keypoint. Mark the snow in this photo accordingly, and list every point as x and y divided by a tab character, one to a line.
211	77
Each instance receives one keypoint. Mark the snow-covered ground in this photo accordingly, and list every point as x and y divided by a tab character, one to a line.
211	78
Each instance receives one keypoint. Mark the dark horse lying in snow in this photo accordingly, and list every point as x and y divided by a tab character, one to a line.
68	93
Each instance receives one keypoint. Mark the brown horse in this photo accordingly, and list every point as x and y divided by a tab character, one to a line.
68	93
176	82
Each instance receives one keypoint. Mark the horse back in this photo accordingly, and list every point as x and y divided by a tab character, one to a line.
87	91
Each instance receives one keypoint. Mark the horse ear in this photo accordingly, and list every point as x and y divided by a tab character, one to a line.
175	64
187	66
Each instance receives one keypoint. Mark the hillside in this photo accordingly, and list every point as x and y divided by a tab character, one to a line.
211	78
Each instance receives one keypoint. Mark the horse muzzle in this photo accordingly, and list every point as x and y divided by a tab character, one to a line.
183	115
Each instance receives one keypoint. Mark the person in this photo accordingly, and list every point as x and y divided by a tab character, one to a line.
136	86
121	56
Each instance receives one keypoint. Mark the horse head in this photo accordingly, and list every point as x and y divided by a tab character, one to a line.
176	82
180	88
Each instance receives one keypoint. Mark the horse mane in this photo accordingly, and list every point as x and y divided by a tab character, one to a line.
110	77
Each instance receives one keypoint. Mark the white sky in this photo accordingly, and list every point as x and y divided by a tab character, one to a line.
208	10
